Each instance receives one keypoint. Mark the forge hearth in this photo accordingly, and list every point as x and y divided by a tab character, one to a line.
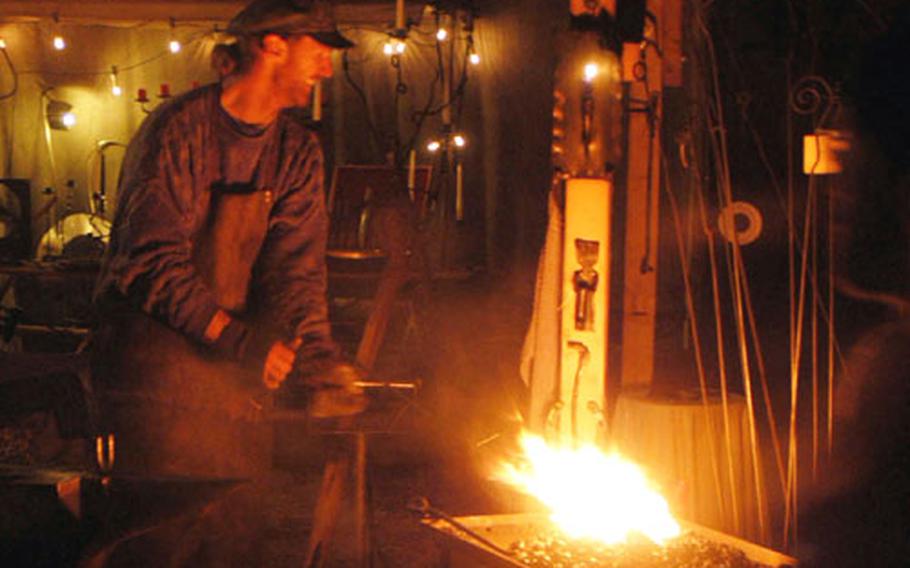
529	540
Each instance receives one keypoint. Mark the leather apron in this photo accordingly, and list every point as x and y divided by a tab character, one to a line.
175	407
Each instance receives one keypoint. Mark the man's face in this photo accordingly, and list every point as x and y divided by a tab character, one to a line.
307	62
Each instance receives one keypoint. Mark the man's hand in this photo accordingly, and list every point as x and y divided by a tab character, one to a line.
278	363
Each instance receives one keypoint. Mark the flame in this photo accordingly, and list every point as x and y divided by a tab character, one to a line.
591	494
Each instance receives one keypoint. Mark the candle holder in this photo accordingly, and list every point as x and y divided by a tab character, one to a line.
587	109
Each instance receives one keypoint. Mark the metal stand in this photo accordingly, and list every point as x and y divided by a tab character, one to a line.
348	464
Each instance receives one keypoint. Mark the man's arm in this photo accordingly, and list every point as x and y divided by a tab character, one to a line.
151	264
291	270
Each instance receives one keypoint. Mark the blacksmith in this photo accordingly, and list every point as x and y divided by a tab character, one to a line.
213	287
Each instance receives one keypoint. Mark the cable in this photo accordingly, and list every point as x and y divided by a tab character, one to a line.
13	73
419	117
121	68
376	137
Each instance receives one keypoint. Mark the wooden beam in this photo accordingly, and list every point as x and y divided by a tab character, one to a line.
351	12
642	216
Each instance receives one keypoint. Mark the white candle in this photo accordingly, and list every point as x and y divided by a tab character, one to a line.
459	193
399	14
317	101
412	172
447	88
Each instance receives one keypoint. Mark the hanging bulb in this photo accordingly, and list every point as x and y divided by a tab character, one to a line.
58	41
173	45
393	47
473	58
442	34
69	119
115	86
459	140
2	43
434	146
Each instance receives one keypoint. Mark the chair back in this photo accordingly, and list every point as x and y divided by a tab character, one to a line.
358	190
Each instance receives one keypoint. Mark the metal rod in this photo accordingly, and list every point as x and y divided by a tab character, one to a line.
398	385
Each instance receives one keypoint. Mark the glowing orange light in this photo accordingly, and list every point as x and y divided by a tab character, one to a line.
591	494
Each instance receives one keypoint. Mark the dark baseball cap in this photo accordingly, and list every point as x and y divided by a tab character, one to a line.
311	17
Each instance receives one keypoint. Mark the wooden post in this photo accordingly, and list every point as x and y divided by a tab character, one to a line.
585	311
642	71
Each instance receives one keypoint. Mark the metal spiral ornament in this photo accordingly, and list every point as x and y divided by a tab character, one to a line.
811	94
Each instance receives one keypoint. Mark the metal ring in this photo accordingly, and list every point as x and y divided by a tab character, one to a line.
726	222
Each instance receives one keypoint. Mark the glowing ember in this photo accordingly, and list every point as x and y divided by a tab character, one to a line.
591	494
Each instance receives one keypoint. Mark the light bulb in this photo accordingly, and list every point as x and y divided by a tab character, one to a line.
434	145
387	48
590	72
2	43
174	46
399	47
115	86
459	140
69	119
59	43
442	34
474	59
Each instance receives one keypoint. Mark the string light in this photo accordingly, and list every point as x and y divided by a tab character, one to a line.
434	146
173	45
442	34
459	141
58	41
115	86
473	58
393	47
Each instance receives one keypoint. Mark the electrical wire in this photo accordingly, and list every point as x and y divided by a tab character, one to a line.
418	118
120	68
13	73
371	126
